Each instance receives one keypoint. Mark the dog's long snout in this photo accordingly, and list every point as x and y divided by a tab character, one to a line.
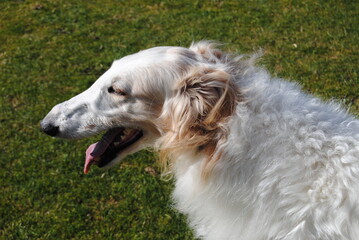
49	128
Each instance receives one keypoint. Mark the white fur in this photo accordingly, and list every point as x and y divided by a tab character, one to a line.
288	168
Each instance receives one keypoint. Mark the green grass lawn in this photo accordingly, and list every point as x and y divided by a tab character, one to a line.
51	50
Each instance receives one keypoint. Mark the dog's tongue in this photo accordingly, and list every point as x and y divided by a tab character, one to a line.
90	157
95	150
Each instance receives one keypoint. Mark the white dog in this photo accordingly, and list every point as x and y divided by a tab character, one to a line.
254	158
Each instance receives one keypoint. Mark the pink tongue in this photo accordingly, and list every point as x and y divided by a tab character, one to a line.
95	150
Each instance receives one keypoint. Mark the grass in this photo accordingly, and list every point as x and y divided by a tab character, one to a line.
52	50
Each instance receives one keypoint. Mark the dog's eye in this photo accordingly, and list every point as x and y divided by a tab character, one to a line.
116	91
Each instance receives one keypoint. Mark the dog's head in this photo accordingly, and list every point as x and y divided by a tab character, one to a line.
170	97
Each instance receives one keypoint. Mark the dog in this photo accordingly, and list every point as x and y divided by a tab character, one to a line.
253	156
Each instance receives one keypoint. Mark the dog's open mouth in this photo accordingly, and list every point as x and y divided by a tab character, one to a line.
109	147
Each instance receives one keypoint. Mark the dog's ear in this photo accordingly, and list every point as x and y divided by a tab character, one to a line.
201	101
193	118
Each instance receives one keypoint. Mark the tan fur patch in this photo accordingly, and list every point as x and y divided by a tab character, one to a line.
194	118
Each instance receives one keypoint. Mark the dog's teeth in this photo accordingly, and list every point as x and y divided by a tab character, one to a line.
126	131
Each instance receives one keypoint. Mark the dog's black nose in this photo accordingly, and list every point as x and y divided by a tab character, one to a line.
49	129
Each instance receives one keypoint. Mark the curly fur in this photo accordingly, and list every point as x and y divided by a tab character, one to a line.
254	158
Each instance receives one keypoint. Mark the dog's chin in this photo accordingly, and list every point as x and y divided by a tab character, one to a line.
113	146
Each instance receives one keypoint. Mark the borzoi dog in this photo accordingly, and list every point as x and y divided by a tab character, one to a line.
253	157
